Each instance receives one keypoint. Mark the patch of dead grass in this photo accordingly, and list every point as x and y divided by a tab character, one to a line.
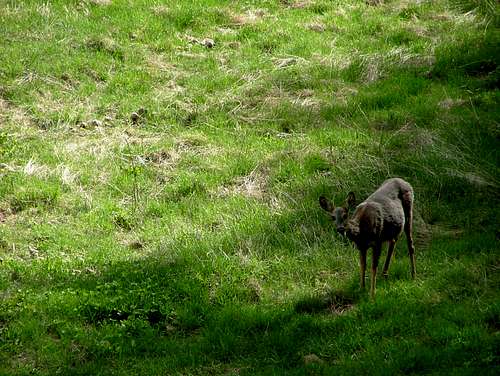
250	17
253	185
450	103
344	94
284	62
4	214
297	4
168	158
304	98
164	158
44	9
316	26
169	90
67	176
160	10
422	232
400	56
33	168
13	114
157	62
100	2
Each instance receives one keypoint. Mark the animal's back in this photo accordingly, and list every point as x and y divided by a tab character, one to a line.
390	196
391	189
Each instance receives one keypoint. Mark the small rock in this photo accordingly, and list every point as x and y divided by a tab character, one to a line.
95	123
208	43
135	117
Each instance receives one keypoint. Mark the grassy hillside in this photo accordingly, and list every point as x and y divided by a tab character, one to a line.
160	168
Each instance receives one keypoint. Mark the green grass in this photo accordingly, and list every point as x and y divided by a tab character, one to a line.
191	240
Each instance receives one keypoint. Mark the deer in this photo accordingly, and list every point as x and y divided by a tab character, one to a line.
380	218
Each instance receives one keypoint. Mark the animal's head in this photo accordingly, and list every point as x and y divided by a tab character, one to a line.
339	214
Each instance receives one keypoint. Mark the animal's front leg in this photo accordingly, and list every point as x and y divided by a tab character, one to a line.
362	266
377	248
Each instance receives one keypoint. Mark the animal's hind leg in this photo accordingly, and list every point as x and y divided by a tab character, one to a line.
390	250
407	201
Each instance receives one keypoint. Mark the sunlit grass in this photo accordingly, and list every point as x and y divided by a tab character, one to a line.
158	195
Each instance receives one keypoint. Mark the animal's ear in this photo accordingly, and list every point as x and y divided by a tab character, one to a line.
326	204
351	200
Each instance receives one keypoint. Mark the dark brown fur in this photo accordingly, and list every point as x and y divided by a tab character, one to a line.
382	217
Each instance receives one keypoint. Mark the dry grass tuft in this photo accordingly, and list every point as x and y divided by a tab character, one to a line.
344	94
474	179
164	158
32	168
311	359
400	56
253	185
191	141
157	62
285	62
316	26
450	103
44	10
3	105
303	98
374	2
67	176
104	44
419	30
297	4
15	115
160	10
4	213
100	2
251	17
371	67
422	232
422	140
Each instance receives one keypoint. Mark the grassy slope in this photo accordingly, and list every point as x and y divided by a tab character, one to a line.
192	242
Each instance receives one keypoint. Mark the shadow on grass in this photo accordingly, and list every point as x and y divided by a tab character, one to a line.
334	302
162	307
